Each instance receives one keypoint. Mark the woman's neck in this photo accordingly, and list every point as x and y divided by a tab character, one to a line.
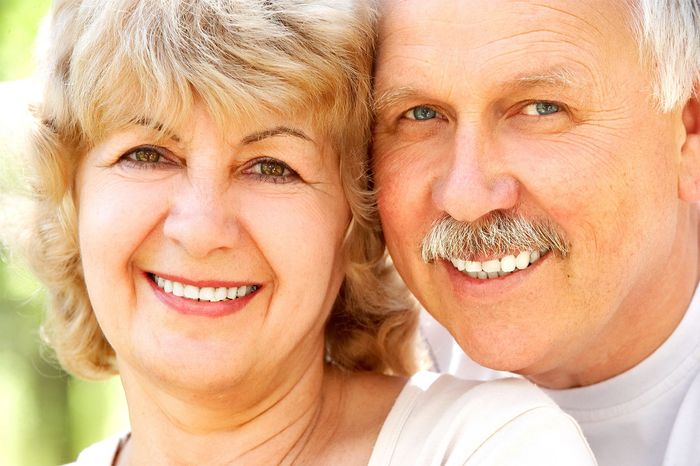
252	423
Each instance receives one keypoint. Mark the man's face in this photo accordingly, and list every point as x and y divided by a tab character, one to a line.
539	111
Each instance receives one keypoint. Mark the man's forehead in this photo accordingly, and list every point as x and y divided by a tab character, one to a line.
483	13
465	26
513	43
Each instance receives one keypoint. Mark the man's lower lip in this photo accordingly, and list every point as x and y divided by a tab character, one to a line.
200	308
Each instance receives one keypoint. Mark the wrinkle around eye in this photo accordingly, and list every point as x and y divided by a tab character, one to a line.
391	147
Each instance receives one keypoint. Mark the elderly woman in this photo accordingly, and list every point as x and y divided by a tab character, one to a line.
205	230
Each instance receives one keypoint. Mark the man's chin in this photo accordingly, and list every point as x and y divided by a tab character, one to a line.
520	353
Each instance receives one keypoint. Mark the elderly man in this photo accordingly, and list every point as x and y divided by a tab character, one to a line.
537	166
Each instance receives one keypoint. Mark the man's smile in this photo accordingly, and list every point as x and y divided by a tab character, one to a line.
497	267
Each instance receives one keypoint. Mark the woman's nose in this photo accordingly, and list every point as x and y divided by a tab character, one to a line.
202	217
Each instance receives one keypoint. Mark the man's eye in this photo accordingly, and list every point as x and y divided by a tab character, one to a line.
421	113
542	108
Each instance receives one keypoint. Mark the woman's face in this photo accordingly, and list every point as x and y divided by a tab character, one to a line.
172	229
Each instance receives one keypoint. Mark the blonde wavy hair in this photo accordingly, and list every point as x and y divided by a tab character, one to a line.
106	61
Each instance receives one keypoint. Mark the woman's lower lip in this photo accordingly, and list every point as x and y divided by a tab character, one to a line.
200	308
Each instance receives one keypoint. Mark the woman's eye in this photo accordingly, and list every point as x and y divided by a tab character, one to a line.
144	157
273	171
272	168
421	113
542	108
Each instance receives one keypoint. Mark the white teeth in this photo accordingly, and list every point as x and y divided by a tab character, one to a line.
459	264
191	292
523	260
491	266
473	266
206	294
508	264
209	294
495	268
220	294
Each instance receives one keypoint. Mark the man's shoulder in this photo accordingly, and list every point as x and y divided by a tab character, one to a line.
500	398
441	416
683	442
101	453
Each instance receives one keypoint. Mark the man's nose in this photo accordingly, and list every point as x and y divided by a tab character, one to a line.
202	217
473	180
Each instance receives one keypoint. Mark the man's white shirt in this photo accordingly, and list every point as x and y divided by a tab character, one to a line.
647	416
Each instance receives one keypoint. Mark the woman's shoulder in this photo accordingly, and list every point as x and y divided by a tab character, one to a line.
504	421
101	453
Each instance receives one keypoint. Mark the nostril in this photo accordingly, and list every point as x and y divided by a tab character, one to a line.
200	231
468	196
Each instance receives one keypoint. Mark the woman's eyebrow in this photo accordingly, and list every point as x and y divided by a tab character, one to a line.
148	123
276	131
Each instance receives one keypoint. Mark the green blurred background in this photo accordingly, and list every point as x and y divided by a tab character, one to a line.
46	416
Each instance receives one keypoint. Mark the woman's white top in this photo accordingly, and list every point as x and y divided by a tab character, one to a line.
441	420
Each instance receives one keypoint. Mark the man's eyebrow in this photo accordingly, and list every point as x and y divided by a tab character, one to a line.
276	131
148	123
556	77
560	77
392	96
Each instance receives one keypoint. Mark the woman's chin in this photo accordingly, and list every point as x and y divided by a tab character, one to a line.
192	367
186	379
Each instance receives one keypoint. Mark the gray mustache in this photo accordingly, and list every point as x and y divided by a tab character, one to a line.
499	234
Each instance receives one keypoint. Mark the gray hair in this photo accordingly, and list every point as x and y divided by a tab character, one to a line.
497	234
669	36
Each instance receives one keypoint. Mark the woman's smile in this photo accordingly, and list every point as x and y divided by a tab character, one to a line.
207	298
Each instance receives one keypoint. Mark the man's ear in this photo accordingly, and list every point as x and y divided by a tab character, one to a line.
689	176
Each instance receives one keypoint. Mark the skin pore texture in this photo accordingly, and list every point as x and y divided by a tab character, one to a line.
526	108
238	380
